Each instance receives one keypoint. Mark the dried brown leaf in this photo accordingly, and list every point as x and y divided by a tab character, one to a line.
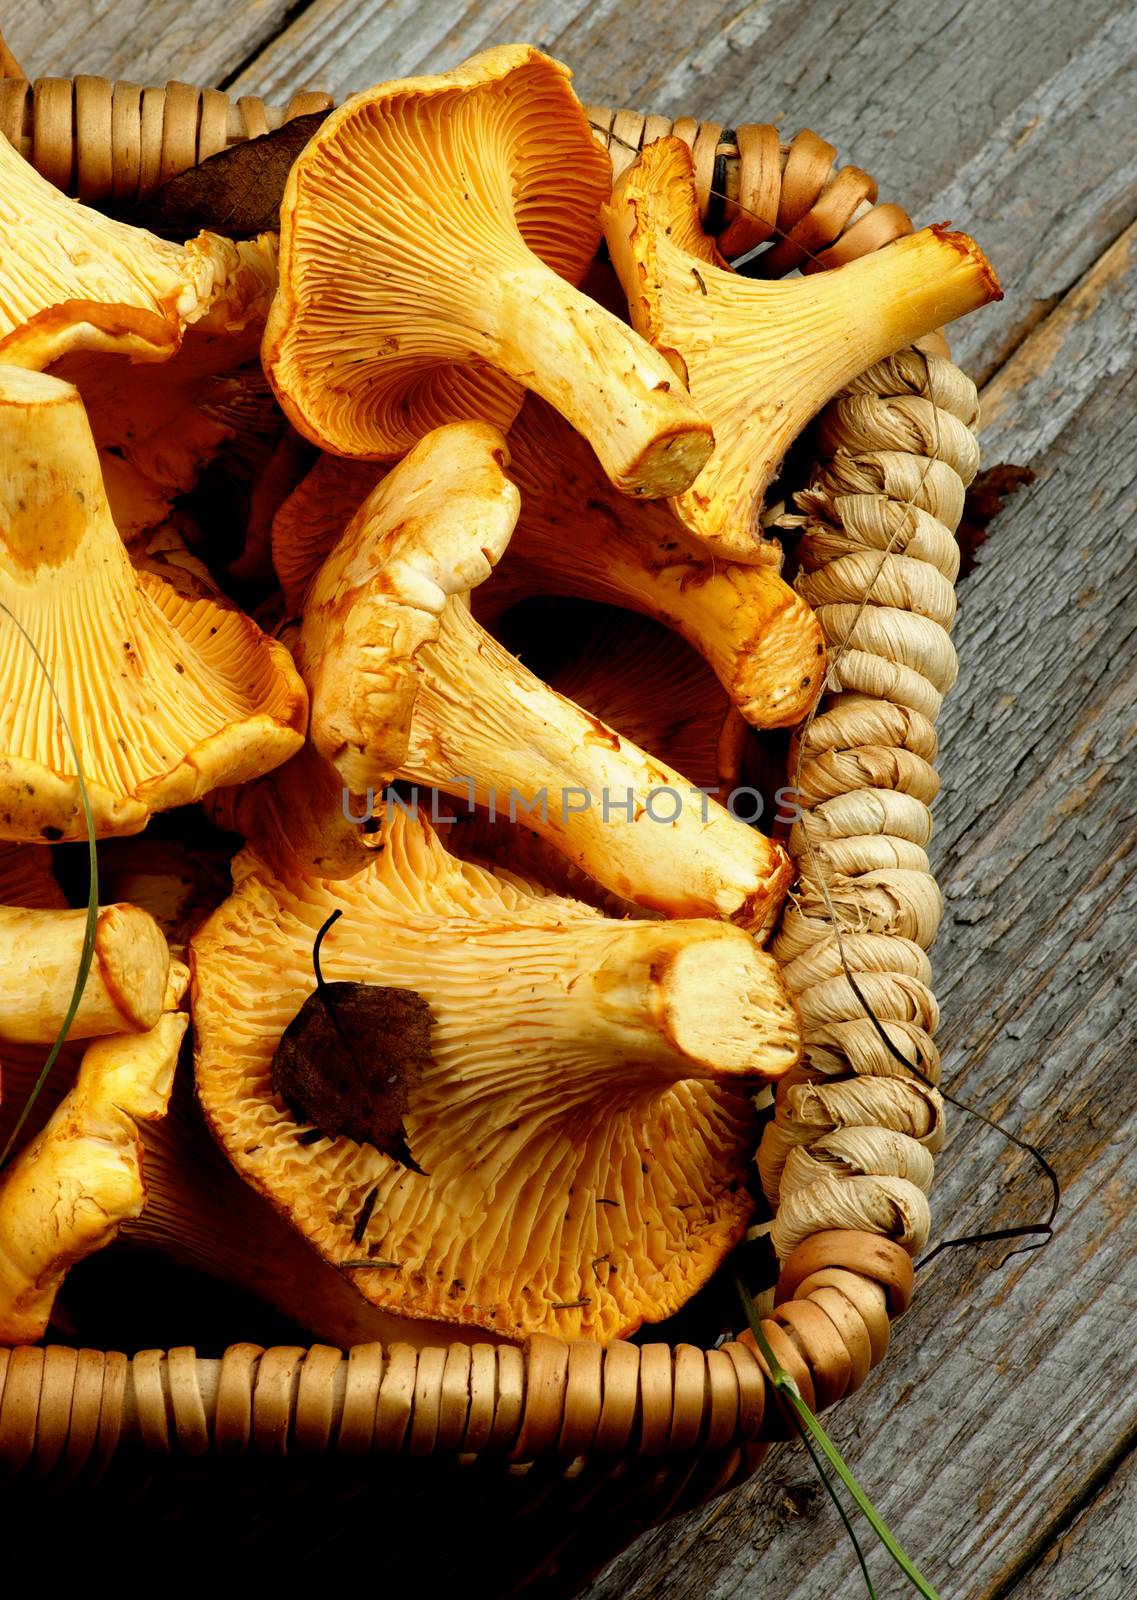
350	1059
236	192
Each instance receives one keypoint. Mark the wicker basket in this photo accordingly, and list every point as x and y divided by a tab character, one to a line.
637	1431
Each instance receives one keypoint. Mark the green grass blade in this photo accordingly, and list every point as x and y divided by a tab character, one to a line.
813	1433
841	1512
88	951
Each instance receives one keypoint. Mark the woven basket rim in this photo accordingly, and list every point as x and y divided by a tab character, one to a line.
164	1396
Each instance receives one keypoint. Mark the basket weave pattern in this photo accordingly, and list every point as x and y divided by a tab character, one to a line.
879	516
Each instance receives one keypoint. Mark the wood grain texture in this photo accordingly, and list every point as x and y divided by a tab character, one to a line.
1096	1557
1008	1391
146	41
990	1434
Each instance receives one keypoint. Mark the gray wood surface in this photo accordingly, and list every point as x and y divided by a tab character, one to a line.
1096	1557
1008	1392
146	41
998	1435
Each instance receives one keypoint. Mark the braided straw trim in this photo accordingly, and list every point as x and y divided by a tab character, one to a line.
118	141
852	1136
63	1412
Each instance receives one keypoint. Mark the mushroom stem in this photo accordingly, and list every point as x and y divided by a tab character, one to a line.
604	379
761	358
637	826
764	648
67	1192
635	1006
44	514
711	996
303	811
634	824
39	956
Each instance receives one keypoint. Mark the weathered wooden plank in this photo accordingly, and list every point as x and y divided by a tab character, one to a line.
1027	403
975	1436
1017	119
1053	185
1014	119
1096	1557
147	41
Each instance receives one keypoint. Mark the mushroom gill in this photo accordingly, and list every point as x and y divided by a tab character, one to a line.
431	234
583	1124
762	358
166	694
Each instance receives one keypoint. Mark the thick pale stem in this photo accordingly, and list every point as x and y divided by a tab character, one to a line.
890	298
608	382
39	958
66	1193
644	1004
301	812
631	822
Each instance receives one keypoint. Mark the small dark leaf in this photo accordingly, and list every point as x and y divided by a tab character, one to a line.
236	192
350	1059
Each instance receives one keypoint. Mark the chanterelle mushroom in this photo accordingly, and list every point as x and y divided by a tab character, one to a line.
582	1121
101	302
762	358
166	695
39	957
68	1191
56	251
394	663
578	536
430	237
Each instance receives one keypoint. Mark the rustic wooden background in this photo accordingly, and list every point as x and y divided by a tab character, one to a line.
998	1437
